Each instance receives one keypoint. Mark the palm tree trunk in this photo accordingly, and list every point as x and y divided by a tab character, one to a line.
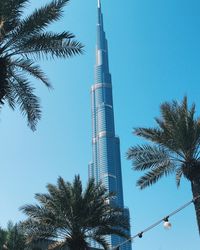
196	195
78	244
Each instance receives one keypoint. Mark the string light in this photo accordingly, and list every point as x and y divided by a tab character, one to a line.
166	223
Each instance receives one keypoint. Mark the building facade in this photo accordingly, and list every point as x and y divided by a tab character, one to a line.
106	161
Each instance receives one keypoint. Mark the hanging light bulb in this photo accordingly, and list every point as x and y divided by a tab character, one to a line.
167	224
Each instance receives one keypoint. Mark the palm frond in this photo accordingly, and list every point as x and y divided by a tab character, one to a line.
50	45
179	120
40	214
73	215
29	66
116	219
177	129
101	240
53	190
22	39
10	12
146	156
77	183
162	137
36	231
169	113
43	198
57	245
154	175
4	86
38	21
27	101
64	189
179	173
151	134
33	211
10	97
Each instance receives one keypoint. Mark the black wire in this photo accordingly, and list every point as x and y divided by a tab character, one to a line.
140	234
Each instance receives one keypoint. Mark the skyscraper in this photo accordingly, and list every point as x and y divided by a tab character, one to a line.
106	160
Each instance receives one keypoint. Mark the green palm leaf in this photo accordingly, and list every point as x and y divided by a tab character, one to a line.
37	21
29	66
24	39
146	156
179	173
73	216
155	174
10	12
50	45
174	148
27	101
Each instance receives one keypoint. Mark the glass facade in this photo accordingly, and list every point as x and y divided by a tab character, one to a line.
106	161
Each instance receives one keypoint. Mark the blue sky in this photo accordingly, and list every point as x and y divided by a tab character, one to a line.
154	51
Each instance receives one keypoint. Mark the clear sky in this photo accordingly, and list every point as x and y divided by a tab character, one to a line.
154	51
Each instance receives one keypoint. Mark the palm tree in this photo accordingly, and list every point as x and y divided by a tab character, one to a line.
174	149
12	238
3	237
15	237
71	216
23	40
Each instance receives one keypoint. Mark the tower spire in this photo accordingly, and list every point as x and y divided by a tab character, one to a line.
99	3
99	21
102	64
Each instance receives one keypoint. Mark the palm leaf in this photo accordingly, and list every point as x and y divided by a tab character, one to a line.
102	241
57	245
22	39
154	175
50	45
43	198
151	134
27	101
36	231
34	211
34	70
178	133
74	215
38	21
179	173
10	97
146	156
10	12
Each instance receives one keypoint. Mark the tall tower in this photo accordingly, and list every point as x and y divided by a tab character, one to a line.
106	160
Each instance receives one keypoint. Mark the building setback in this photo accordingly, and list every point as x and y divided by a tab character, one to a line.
106	160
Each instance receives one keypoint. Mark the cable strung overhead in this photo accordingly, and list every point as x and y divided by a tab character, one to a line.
164	219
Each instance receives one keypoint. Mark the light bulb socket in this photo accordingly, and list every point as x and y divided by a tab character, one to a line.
140	235
166	219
